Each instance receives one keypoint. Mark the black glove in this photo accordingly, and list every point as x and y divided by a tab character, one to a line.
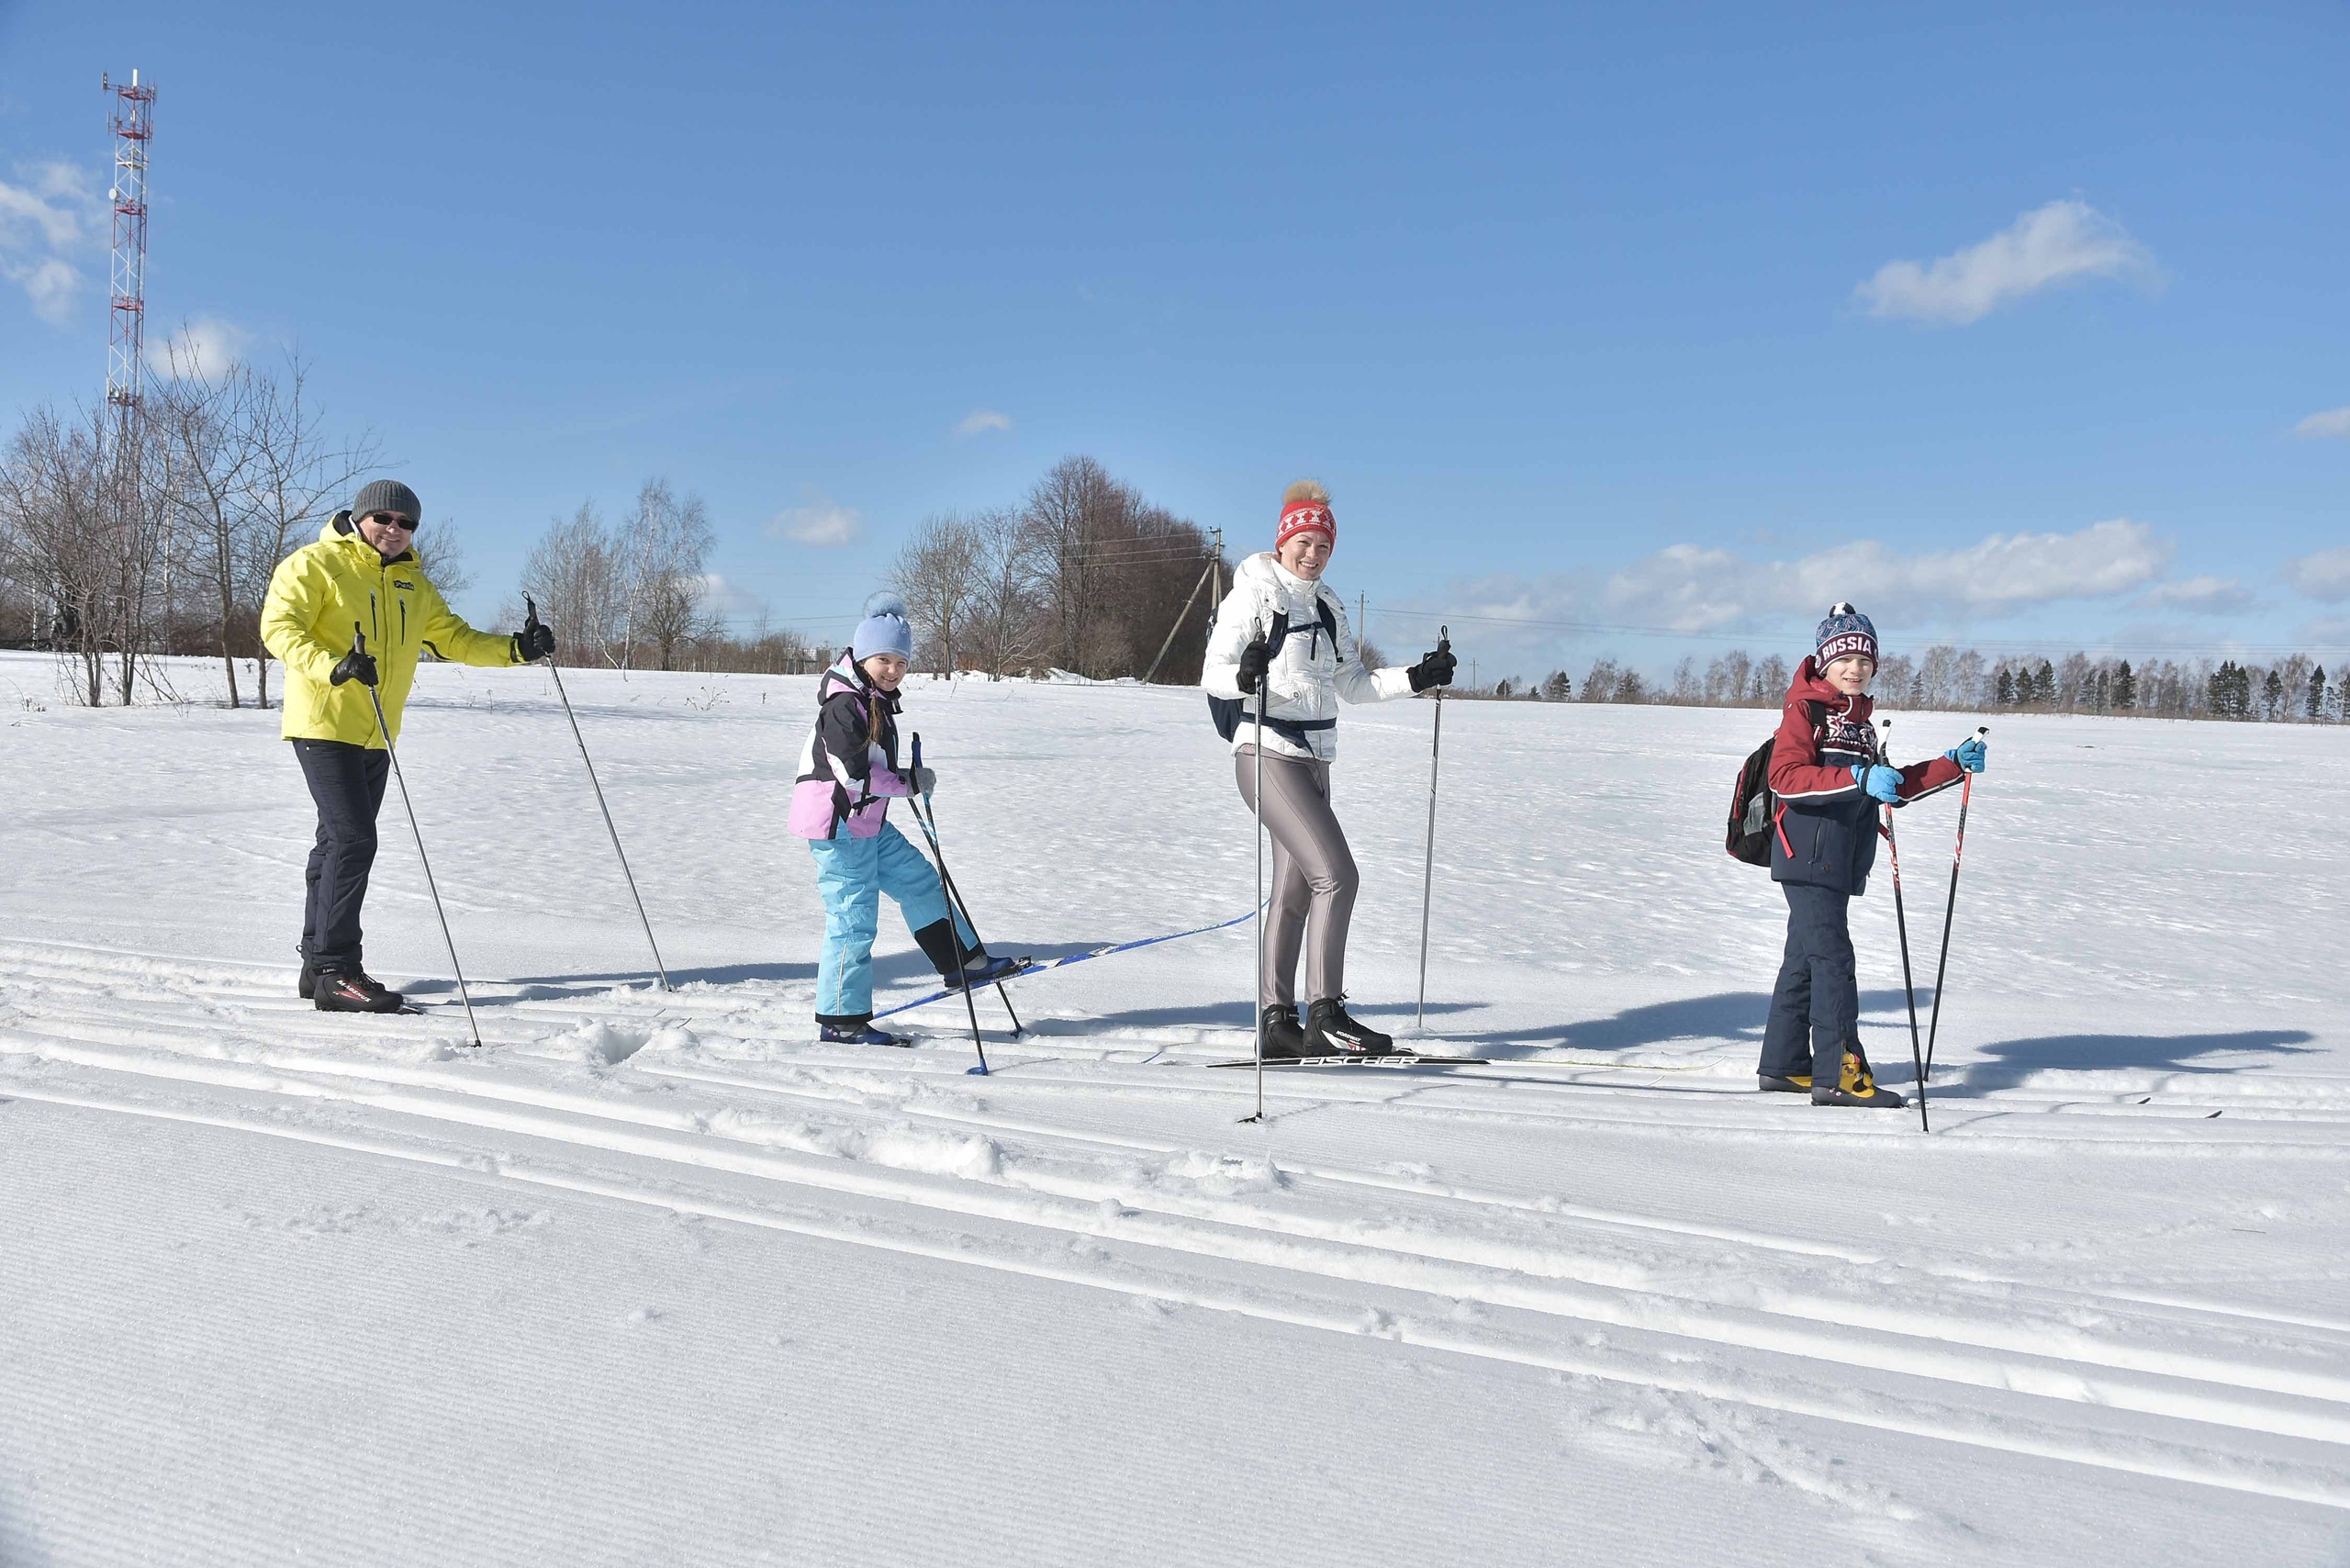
533	641
1253	660
1434	669
358	665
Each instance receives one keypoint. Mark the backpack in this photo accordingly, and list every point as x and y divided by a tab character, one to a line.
1230	712
1755	805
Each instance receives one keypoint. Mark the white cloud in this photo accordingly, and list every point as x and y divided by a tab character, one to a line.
823	523
2334	422
1689	588
2200	596
206	348
980	420
2325	575
2060	243
48	225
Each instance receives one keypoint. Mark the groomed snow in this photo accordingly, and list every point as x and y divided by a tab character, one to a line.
656	1279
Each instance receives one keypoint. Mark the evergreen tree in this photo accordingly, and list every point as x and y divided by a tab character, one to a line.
2125	686
2044	688
2317	694
2272	696
2006	689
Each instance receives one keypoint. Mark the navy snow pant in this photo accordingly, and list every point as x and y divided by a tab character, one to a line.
347	784
1815	1007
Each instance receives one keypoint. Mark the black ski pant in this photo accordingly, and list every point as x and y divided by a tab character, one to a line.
1815	1007
347	784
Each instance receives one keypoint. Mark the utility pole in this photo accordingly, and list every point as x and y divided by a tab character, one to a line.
1211	573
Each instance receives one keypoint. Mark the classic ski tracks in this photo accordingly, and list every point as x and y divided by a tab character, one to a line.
1548	1276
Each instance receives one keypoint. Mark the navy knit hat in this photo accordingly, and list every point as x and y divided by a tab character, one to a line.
1846	631
884	629
387	495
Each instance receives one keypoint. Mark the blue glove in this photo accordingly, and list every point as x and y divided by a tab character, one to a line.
1882	783
1968	754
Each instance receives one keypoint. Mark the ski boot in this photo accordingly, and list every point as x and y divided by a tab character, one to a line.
352	991
984	971
1855	1086
1285	1040
307	986
863	1034
1329	1032
1793	1083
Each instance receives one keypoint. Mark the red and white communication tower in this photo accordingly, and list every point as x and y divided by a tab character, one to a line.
133	123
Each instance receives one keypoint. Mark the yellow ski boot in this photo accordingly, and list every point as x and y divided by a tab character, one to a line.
1854	1086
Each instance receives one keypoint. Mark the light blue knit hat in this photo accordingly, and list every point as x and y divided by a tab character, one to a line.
884	629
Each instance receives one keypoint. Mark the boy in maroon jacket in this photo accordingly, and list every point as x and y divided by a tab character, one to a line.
1827	769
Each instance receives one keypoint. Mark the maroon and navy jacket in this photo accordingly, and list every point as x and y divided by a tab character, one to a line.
1826	823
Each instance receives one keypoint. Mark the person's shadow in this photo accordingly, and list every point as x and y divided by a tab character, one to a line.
2005	1064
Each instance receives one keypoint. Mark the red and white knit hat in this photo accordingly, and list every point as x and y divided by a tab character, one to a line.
1305	513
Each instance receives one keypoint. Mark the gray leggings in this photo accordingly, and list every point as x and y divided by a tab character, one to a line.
1312	870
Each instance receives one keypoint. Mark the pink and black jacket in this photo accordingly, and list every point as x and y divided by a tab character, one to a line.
1826	825
848	768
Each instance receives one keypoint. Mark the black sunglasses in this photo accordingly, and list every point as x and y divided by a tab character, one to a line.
391	520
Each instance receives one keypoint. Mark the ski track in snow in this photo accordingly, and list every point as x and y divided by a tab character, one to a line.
2118	1254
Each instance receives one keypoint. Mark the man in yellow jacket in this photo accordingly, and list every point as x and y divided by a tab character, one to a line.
361	579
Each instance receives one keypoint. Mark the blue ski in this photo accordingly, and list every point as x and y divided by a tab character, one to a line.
1034	968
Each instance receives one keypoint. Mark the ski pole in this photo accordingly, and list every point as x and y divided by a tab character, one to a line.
1257	635
954	938
659	968
1901	922
926	813
359	645
1933	1027
1427	872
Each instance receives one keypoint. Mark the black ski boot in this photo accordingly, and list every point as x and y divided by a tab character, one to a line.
352	991
1331	1033
1854	1086
307	986
1285	1040
1794	1084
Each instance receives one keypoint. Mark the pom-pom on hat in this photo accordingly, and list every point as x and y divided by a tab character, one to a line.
884	629
1845	632
1305	505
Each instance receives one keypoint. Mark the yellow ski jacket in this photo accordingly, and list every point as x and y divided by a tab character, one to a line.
321	594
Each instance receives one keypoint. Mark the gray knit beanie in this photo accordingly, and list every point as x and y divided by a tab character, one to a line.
387	495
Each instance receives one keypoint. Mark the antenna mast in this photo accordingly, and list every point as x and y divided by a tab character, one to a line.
133	122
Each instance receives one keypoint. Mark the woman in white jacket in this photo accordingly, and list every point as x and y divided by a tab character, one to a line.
1283	626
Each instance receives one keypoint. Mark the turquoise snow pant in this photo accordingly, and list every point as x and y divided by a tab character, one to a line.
852	874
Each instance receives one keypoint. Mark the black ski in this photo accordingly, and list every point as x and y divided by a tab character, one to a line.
1397	1058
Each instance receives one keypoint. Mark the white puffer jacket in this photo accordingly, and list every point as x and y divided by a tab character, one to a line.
1312	671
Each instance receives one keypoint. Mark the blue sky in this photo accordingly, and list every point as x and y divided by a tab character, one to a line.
1588	317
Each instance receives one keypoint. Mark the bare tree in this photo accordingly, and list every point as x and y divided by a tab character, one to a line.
201	423
1071	513
55	488
666	542
1008	617
942	573
576	576
294	482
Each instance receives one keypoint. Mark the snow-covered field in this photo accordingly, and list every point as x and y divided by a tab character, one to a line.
656	1279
